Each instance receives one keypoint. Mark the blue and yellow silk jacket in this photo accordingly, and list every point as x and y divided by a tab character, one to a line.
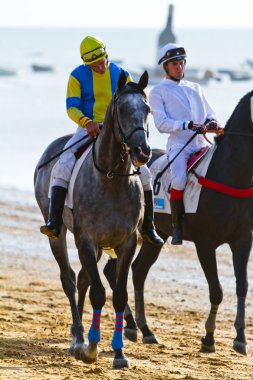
89	93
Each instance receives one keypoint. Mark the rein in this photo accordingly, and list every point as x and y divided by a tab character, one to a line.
111	173
237	134
124	149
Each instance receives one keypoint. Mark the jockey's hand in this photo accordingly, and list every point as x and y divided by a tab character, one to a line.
214	126
93	128
199	128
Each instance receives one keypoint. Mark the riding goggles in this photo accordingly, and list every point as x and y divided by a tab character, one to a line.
94	54
176	54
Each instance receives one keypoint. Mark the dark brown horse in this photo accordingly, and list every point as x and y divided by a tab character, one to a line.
220	218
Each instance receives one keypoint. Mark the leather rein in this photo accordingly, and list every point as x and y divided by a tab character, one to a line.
124	148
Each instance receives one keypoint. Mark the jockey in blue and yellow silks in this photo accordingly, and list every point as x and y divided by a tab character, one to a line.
90	89
89	93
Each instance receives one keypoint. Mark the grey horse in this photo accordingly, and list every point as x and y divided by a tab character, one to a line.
107	212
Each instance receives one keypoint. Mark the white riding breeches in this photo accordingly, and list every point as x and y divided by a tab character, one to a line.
146	178
62	170
178	168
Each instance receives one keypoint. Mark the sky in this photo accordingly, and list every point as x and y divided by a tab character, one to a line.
130	13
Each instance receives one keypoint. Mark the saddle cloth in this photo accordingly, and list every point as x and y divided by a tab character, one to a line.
79	161
192	189
78	164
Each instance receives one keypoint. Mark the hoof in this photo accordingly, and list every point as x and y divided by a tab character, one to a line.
52	234
75	350
120	363
88	353
240	347
151	339
130	334
71	351
207	347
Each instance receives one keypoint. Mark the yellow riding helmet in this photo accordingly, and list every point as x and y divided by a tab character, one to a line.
92	49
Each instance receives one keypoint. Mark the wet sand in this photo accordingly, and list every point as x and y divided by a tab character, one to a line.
35	316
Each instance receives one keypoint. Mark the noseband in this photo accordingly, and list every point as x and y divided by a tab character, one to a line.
134	88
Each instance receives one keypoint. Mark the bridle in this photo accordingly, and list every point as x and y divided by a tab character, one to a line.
132	88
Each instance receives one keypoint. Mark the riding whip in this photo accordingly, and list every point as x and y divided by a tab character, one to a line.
157	183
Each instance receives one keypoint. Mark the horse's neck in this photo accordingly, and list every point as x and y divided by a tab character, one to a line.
109	152
232	162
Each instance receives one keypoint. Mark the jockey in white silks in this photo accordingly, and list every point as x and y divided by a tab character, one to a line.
91	87
178	106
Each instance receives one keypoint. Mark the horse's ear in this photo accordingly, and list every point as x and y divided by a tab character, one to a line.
122	80
143	81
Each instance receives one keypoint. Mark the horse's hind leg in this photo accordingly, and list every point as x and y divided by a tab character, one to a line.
241	251
68	279
147	256
207	258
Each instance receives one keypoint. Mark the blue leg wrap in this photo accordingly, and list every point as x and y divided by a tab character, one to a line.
117	340
94	332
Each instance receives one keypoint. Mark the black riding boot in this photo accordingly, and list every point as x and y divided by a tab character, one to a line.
148	229
53	227
177	212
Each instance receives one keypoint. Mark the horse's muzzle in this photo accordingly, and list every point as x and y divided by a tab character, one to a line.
140	157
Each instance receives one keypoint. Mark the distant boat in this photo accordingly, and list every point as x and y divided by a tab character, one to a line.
43	68
200	76
236	75
5	72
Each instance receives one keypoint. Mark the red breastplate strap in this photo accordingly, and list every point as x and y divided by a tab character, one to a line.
242	193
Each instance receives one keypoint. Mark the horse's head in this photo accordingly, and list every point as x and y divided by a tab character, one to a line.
131	114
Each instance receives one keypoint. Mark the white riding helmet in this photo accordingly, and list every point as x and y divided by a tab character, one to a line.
171	52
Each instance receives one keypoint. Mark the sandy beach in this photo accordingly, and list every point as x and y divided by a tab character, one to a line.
35	316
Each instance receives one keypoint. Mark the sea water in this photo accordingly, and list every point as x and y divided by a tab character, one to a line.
32	104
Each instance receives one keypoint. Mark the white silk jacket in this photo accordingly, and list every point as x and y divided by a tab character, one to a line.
174	105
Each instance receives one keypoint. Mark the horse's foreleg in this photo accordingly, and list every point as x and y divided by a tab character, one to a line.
147	256
68	279
207	257
130	330
87	255
241	251
125	254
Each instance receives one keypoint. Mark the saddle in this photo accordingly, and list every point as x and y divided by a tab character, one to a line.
83	148
200	160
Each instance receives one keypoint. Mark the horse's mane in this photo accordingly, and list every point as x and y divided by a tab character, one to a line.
245	98
137	87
